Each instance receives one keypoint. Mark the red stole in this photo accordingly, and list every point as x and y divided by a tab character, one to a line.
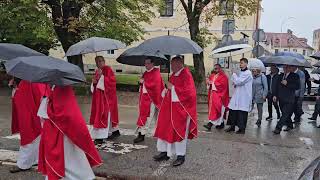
65	119
104	101
220	97
25	104
172	119
154	86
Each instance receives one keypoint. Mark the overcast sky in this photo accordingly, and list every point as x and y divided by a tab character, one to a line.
301	16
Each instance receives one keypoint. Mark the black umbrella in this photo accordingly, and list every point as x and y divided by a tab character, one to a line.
286	58
230	48
316	55
136	57
312	171
45	69
171	45
10	51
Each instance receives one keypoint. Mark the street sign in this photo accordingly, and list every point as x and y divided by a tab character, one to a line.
259	35
228	26
258	51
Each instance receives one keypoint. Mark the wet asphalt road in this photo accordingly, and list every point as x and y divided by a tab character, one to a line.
213	155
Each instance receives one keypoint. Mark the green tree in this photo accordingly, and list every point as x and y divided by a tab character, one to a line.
198	11
75	20
40	23
27	23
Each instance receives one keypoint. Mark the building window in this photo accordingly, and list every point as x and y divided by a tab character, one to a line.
110	52
167	10
295	50
285	49
276	51
226	7
304	52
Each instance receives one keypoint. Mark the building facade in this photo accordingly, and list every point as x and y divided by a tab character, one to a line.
316	40
279	42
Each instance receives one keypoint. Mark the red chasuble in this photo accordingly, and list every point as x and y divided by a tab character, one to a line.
104	101
154	86
172	118
25	104
65	119
220	97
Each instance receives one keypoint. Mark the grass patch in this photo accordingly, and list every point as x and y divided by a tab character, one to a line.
130	79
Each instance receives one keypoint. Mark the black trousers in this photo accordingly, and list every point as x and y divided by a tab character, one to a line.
275	104
287	111
238	118
316	111
308	85
298	108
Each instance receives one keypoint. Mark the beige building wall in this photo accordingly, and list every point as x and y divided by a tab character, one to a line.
177	25
316	40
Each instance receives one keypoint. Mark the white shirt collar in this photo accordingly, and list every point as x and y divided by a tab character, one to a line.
178	73
150	69
296	70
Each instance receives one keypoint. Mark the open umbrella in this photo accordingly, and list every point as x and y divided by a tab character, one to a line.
45	69
170	45
10	51
93	45
317	64
230	48
286	58
256	64
311	172
316	55
136	57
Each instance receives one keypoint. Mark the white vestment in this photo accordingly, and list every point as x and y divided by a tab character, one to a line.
102	133
177	148
29	154
76	163
242	95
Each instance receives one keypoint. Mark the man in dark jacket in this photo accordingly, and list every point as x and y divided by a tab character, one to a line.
285	93
273	80
317	106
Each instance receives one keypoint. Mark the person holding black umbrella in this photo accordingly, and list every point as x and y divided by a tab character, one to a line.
272	79
151	86
285	93
104	109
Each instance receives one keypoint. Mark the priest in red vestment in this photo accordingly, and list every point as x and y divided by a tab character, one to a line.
151	86
218	97
177	120
66	148
25	104
104	109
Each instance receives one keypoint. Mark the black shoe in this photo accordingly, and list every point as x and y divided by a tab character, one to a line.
114	135
258	123
276	131
17	169
161	157
312	118
288	129
240	131
269	118
179	161
221	126
139	139
98	141
230	129
208	126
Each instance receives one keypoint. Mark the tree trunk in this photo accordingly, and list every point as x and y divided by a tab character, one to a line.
198	60
63	14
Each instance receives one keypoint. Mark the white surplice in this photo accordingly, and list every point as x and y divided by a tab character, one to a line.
242	95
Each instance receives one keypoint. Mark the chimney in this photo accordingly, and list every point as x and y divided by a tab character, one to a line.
289	31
